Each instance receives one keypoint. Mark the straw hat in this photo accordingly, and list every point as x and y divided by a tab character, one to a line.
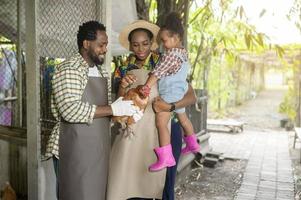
123	36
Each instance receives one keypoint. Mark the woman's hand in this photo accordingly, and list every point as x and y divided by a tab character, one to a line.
159	105
127	80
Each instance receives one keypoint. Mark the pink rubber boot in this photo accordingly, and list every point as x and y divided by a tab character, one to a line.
165	158
192	145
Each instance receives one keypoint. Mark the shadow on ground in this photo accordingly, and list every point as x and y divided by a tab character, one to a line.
219	183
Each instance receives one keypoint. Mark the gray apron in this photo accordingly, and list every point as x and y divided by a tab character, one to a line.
84	150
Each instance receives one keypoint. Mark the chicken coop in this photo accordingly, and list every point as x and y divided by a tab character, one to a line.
35	35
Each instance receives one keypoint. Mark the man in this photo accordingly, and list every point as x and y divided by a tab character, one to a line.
80	104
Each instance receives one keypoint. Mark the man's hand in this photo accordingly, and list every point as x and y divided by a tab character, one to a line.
123	108
138	115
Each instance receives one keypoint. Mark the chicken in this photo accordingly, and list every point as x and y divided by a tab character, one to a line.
139	100
9	193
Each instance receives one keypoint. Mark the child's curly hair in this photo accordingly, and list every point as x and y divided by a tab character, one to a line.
173	24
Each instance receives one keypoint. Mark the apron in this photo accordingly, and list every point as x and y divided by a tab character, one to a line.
131	156
84	150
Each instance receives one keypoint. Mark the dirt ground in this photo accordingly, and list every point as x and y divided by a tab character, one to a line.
224	180
219	183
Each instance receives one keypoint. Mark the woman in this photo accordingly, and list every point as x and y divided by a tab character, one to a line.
130	157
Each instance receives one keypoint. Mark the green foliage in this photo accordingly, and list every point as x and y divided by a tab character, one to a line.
289	105
220	85
153	13
4	39
279	51
216	37
218	33
295	14
291	71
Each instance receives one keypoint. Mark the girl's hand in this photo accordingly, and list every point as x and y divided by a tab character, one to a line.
127	80
159	105
145	90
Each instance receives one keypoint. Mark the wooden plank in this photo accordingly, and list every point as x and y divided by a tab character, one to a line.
33	99
232	125
228	122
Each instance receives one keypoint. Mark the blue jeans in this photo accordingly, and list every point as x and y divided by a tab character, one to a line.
176	142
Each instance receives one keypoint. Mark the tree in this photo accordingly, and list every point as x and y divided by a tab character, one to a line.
217	35
162	8
222	33
142	9
295	14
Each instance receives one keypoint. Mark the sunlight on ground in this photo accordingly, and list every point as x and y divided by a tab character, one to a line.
275	80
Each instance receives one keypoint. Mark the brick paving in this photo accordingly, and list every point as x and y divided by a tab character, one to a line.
268	174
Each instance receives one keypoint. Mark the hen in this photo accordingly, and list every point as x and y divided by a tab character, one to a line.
9	193
139	99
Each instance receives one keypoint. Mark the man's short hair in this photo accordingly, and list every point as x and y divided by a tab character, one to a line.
88	31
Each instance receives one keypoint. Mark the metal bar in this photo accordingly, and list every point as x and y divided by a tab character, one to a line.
48	121
33	100
106	18
16	135
6	42
10	99
19	63
13	130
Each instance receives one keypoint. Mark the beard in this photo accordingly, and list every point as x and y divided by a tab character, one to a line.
100	59
97	60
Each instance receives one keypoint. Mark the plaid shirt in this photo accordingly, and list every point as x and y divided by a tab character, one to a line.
170	63
68	83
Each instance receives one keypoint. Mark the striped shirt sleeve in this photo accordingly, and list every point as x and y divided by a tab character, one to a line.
67	91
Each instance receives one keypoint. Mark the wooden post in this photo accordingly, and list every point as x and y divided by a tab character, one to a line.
33	100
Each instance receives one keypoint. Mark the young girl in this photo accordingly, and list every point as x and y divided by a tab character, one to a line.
171	73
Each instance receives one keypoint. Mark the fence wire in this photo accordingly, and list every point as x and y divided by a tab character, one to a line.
57	25
8	72
59	22
12	34
9	110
